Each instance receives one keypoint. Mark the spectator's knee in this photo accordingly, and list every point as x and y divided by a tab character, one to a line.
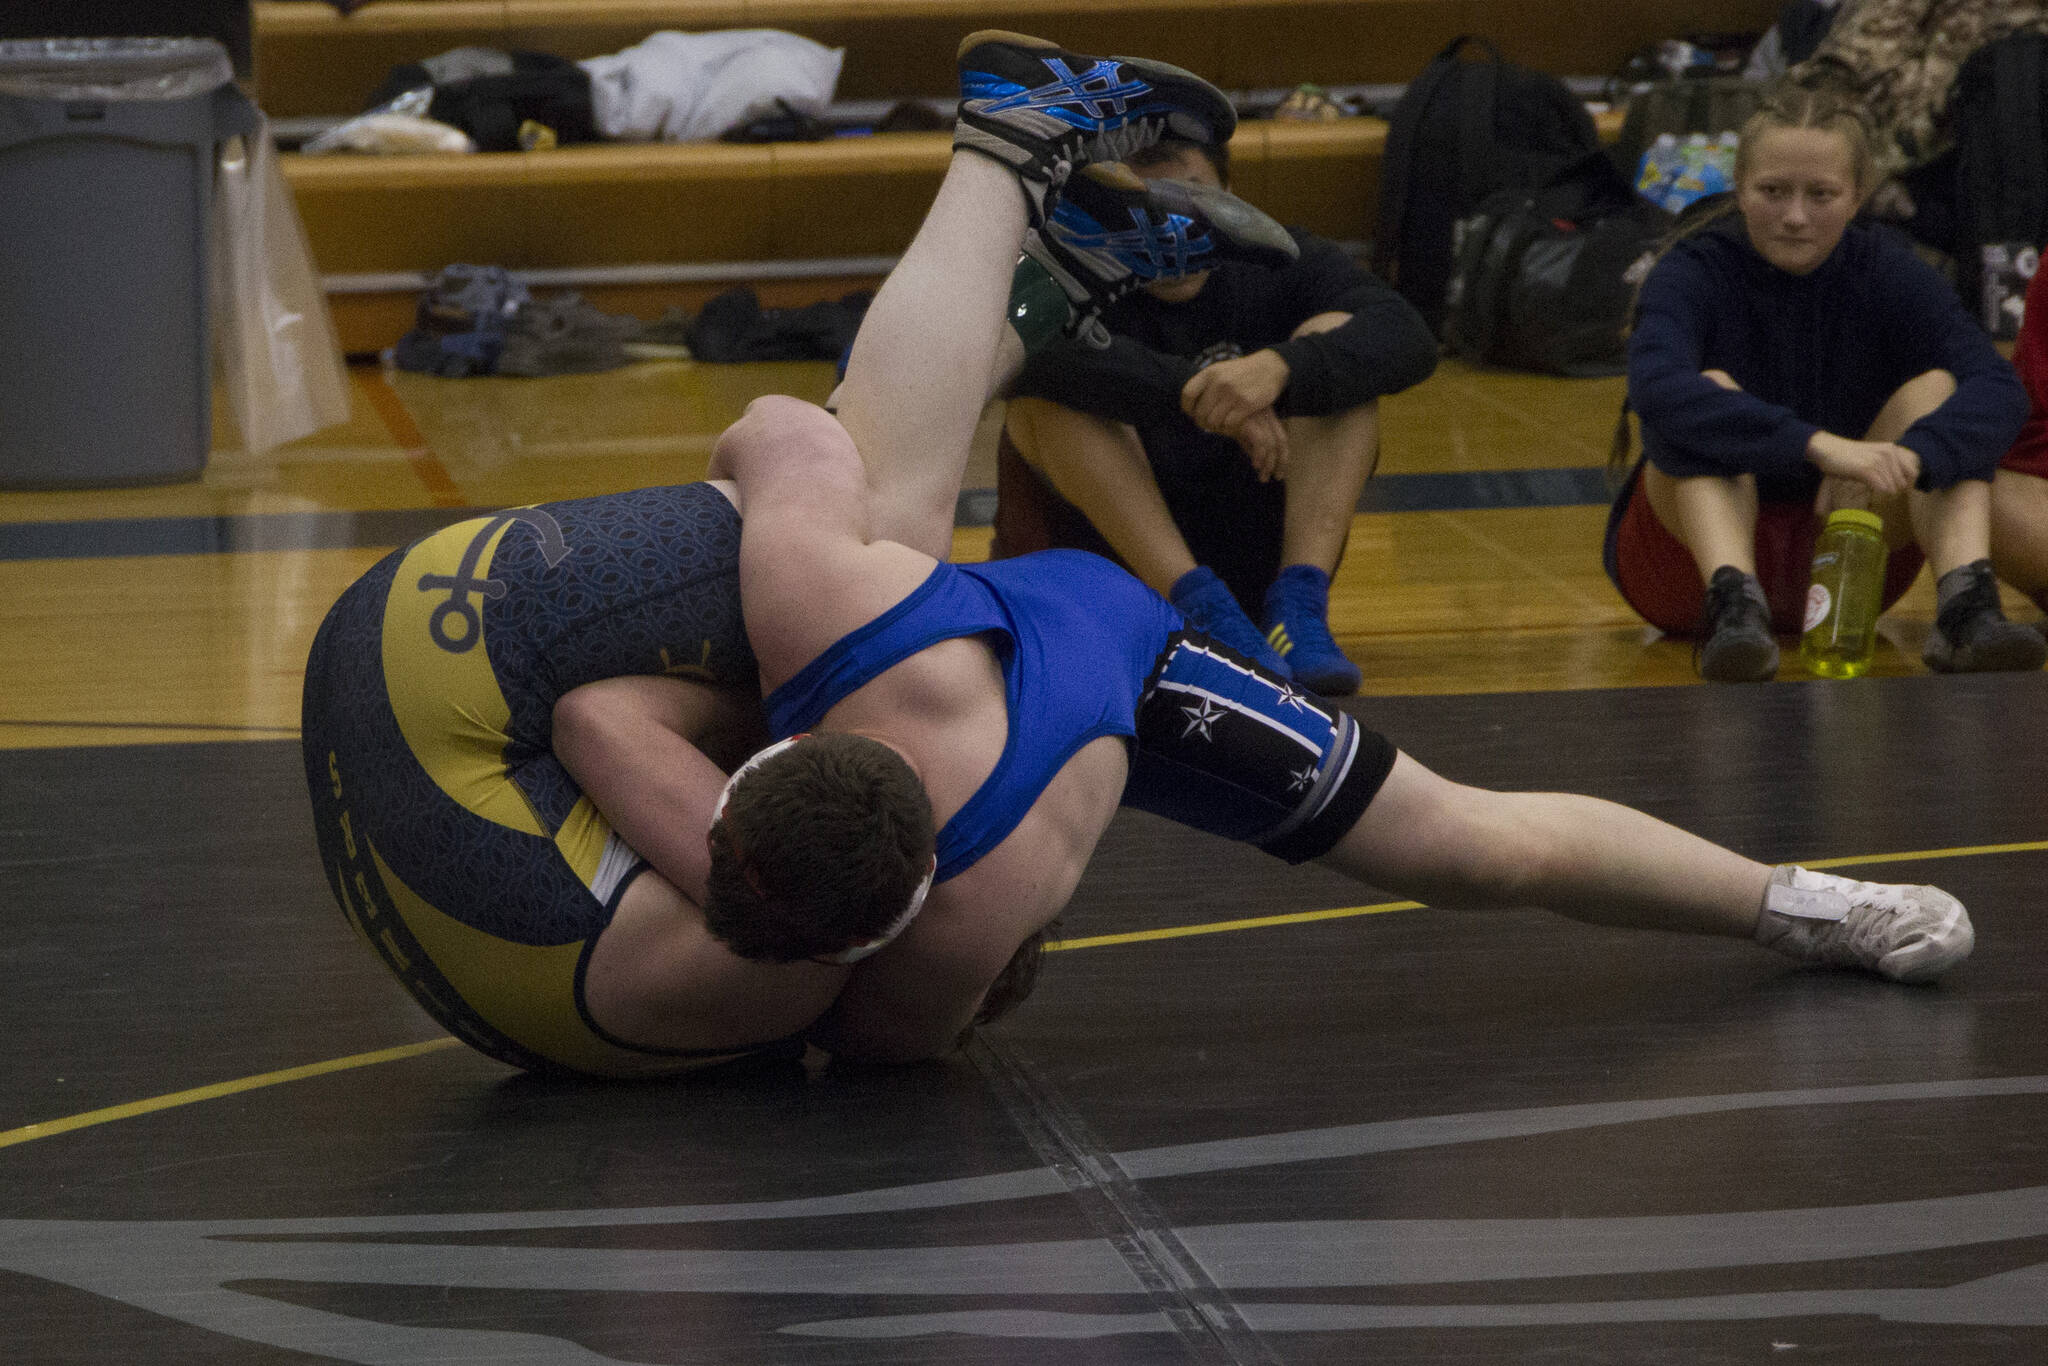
1046	433
1021	420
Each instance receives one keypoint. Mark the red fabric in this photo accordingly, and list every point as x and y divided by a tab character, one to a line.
1658	576
2029	454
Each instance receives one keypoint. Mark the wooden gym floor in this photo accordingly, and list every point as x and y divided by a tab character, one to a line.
1252	1115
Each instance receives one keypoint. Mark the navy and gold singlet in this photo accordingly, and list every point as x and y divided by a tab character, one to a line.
457	845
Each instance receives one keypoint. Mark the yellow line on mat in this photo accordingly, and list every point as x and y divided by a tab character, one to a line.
223	1088
1221	926
1968	851
412	1050
1298	917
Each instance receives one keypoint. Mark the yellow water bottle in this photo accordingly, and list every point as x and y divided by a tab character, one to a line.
1846	595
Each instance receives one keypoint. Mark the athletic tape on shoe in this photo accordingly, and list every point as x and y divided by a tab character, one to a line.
1806	903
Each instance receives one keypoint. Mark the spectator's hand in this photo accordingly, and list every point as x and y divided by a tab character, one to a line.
1886	468
1221	396
1264	438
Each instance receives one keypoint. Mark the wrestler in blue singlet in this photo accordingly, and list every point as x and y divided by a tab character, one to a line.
464	854
1076	638
1086	651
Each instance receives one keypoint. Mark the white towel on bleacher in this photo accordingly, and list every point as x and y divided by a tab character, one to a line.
682	87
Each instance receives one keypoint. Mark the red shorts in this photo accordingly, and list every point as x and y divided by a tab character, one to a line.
1661	580
2029	454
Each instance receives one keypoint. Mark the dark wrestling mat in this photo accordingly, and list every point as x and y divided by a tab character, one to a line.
1401	1137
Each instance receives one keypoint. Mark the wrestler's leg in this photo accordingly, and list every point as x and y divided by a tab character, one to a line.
1361	807
1462	847
933	347
932	350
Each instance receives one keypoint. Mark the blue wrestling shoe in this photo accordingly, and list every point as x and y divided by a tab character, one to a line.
1042	111
1207	603
1110	230
1298	627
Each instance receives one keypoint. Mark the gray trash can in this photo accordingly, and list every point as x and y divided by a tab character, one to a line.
107	155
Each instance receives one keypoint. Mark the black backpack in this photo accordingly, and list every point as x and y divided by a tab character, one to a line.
1543	278
2000	111
1460	132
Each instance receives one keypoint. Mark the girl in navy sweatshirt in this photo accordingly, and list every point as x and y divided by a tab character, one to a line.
1786	361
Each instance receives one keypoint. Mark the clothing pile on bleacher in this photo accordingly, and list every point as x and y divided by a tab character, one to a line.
480	320
674	87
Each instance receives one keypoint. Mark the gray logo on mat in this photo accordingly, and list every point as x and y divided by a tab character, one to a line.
184	1269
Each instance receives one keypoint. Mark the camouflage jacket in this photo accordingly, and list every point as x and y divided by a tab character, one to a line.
1903	55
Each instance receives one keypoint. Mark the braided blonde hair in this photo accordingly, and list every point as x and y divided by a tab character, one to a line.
1825	106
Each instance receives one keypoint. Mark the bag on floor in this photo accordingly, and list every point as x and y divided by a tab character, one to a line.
1543	279
2000	113
1462	131
274	340
1678	137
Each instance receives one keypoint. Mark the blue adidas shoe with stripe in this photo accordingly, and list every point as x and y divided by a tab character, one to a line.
1110	230
1298	628
1042	111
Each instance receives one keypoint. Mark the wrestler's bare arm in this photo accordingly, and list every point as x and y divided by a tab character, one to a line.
641	749
918	996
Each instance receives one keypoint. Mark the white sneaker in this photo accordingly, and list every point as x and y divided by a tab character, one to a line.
1909	934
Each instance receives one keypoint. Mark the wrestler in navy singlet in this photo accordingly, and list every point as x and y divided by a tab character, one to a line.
457	845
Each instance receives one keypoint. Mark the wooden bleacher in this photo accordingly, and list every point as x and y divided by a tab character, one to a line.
618	205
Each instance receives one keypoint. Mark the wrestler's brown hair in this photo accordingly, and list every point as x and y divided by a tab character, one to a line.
817	850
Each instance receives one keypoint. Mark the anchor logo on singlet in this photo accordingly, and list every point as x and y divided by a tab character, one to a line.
554	548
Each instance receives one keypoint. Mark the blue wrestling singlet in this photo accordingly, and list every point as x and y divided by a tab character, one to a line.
1087	650
457	845
1075	637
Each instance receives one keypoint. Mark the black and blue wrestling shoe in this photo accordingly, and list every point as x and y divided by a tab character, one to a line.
1042	111
1110	230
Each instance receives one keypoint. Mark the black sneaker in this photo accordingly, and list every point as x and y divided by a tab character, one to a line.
1971	634
1042	111
1739	647
1111	230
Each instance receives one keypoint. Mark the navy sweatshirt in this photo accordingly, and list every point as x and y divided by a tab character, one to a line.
1815	352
